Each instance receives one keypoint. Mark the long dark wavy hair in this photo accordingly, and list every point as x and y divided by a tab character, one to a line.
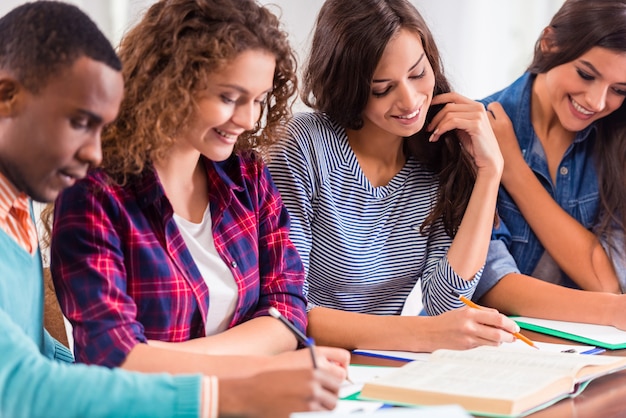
165	59
348	42
578	26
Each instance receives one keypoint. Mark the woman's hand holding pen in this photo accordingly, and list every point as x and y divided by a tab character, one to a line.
278	393
334	360
467	327
288	383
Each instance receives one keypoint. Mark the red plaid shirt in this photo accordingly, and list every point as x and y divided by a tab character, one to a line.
123	273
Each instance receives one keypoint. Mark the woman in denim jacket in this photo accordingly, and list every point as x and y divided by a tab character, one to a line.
562	131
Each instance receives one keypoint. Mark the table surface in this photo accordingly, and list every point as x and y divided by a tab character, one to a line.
604	397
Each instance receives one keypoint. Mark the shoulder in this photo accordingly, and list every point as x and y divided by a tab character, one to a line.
422	174
512	94
90	200
97	182
314	132
312	124
311	140
99	192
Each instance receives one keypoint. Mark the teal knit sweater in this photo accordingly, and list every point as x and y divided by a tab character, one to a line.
35	379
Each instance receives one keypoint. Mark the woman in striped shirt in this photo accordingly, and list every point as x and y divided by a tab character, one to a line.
385	197
389	198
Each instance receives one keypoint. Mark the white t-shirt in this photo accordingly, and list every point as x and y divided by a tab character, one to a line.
223	294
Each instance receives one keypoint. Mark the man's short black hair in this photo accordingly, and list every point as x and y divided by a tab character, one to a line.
40	39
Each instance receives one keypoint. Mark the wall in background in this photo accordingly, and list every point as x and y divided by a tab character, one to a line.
485	44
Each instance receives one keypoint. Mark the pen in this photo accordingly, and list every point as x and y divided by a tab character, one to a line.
595	350
473	305
303	339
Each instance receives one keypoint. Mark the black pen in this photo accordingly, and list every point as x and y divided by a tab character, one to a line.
302	339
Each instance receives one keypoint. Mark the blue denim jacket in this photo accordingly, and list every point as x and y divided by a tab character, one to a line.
514	247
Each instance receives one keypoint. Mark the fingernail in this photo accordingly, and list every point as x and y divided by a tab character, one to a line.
433	136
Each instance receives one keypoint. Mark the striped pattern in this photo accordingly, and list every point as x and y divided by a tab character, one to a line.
15	217
360	245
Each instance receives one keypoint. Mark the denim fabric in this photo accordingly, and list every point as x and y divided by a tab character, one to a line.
576	190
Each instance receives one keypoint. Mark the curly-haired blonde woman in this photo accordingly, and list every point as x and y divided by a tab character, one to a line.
180	240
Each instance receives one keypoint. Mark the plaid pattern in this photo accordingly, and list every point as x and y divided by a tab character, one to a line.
123	273
15	217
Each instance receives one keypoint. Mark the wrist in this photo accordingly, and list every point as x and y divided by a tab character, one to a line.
611	311
265	364
421	330
516	175
489	175
232	397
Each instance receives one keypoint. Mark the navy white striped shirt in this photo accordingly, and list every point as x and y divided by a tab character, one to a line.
361	245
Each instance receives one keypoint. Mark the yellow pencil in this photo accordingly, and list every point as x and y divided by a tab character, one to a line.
516	334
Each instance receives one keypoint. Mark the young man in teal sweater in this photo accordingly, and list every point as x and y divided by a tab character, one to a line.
60	83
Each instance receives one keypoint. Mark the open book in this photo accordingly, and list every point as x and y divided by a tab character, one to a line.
491	381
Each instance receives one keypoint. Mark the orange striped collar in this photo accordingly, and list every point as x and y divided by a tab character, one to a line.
9	197
15	218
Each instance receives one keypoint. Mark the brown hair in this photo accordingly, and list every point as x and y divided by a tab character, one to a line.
578	26
166	57
348	42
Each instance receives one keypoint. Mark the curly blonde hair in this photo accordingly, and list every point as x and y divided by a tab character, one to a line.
165	59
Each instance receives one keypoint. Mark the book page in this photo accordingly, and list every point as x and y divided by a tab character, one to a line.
471	379
447	411
497	357
348	407
495	380
359	375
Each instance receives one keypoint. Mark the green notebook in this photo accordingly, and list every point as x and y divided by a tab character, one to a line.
599	335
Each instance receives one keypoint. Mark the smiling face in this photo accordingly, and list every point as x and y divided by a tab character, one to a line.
588	88
50	138
230	104
402	88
